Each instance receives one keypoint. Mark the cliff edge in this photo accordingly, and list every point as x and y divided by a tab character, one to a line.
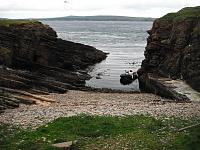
173	49
34	60
30	44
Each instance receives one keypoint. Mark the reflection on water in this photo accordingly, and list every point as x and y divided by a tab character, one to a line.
124	41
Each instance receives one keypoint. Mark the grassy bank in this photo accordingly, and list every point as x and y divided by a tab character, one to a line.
8	22
112	133
187	12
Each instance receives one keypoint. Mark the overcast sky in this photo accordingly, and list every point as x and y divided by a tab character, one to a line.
56	8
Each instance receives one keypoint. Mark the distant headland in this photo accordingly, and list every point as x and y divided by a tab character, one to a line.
99	18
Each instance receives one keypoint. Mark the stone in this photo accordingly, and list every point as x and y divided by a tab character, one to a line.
65	145
98	77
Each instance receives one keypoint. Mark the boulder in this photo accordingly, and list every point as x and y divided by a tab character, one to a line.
65	145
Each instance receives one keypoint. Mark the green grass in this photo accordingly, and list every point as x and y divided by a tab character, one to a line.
8	22
112	133
185	13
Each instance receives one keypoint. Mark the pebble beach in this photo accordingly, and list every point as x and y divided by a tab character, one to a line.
94	103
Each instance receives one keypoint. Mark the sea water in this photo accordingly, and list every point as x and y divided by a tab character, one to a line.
125	42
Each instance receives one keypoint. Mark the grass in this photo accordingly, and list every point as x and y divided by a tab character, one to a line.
112	133
185	13
8	22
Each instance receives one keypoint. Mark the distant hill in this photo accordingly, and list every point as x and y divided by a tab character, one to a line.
99	18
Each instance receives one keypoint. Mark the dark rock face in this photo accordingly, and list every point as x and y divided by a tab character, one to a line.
34	61
30	44
41	61
173	50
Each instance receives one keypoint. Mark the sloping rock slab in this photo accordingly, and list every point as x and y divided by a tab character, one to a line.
12	98
166	87
183	88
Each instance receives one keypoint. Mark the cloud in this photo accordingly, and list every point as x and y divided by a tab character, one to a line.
54	8
32	5
142	4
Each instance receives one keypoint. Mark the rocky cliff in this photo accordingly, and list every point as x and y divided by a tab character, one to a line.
173	48
28	44
34	60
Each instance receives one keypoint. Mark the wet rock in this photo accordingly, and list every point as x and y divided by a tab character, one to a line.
98	77
126	79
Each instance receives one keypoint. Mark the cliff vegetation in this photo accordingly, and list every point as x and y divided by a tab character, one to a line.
185	13
8	22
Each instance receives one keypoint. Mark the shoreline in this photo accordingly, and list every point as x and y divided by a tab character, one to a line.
93	103
107	90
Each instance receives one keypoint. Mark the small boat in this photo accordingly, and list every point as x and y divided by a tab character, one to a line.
127	78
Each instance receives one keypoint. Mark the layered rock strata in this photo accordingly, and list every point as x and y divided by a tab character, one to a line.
173	49
34	60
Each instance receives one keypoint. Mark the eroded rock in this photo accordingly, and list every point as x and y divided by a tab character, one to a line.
173	48
34	60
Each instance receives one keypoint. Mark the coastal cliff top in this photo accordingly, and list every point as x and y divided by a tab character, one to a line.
8	22
185	13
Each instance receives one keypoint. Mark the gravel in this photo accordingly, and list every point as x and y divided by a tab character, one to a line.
93	103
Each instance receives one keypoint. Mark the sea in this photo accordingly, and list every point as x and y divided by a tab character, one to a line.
125	42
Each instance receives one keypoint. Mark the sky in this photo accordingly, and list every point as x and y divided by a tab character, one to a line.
58	8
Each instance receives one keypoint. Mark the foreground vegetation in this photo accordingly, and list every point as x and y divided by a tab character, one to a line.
112	133
8	22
